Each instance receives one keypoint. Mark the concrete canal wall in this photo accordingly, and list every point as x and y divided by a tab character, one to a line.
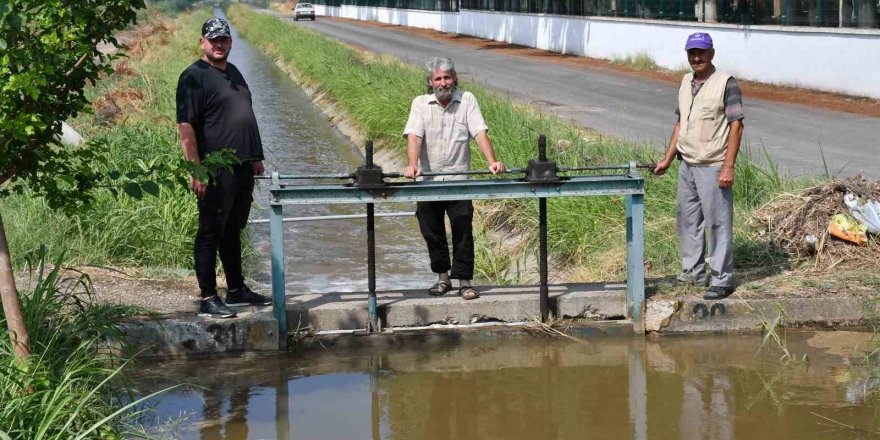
834	60
413	317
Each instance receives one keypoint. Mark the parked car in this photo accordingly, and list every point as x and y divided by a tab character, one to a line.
303	10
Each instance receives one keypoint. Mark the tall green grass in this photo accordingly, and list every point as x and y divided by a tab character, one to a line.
586	232
639	61
70	387
155	231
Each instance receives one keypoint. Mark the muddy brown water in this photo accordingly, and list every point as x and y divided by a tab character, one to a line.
695	387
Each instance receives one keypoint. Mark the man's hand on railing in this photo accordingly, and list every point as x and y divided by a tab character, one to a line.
412	171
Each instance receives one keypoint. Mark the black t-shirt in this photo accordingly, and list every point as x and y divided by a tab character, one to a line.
218	105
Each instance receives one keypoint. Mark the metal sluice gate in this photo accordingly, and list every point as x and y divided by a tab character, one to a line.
542	180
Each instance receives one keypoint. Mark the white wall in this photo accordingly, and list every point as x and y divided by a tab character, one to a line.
845	61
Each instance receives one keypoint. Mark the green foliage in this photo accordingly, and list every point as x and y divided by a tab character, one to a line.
141	158
48	54
63	391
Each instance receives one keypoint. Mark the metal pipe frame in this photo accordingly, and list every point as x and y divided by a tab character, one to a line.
630	185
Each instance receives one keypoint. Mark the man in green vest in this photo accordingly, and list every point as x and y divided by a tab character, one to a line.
706	138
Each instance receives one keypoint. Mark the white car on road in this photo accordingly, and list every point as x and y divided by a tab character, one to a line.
303	10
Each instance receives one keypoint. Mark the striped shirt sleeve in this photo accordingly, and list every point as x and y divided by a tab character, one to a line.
733	103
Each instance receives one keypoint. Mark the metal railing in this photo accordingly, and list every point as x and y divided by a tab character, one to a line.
541	179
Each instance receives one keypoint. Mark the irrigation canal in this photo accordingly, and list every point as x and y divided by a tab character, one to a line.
698	387
321	256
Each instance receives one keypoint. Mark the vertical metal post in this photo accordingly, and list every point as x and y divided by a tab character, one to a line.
276	234
542	237
635	258
372	303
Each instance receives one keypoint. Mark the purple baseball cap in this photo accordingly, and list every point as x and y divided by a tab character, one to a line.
698	40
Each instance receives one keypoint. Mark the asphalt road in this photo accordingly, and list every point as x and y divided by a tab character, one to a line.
638	109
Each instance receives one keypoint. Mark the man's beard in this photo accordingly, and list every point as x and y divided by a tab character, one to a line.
210	55
444	94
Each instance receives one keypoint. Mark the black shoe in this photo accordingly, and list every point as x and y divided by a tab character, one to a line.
718	292
246	297
213	307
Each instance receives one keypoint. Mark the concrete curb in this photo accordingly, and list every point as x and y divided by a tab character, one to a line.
250	331
697	315
408	308
336	320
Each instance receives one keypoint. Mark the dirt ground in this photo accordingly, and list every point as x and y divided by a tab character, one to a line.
149	295
178	295
769	92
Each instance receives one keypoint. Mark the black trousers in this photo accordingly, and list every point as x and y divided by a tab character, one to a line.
223	213
461	215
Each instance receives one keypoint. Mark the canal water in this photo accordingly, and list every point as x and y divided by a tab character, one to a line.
320	256
684	388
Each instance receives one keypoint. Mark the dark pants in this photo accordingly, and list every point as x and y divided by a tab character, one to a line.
223	213
461	214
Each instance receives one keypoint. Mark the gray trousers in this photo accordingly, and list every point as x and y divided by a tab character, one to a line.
703	209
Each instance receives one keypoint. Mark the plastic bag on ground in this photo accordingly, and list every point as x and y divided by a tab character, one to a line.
868	213
847	228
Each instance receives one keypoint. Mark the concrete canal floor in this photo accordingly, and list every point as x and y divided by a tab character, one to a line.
338	319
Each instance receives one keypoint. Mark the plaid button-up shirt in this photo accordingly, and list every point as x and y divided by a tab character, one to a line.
445	132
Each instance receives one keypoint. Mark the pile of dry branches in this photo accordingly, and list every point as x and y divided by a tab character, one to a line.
791	220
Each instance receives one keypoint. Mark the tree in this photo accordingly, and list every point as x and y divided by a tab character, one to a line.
48	54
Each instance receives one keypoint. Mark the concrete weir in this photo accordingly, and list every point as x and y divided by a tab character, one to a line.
404	313
409	317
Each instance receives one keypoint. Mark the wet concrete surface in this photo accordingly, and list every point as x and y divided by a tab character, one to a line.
700	387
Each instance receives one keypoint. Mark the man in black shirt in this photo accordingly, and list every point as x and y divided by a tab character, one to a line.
214	112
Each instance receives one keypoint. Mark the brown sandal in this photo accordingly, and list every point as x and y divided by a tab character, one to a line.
468	293
440	288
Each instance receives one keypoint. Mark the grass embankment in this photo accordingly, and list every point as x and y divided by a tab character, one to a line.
64	391
587	234
134	116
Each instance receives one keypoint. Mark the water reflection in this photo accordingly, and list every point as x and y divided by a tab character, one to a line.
703	388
